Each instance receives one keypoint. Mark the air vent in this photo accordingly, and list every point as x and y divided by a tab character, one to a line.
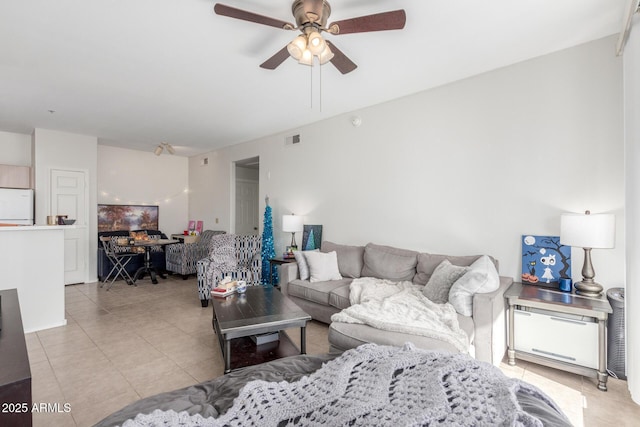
291	140
204	161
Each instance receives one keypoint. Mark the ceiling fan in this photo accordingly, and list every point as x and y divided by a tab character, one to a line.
311	19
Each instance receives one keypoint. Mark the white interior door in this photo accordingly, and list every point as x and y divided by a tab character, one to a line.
246	207
68	197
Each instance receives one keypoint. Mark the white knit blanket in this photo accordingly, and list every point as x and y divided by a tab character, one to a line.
377	386
401	307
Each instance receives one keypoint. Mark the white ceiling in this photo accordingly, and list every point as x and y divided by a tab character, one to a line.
138	72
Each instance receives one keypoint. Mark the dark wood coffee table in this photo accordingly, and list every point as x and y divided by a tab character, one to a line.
257	311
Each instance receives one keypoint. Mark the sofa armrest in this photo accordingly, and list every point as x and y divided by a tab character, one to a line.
490	323
288	273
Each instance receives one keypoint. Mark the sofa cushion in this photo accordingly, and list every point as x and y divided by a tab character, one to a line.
482	277
427	263
303	267
386	262
318	292
443	277
344	336
350	258
339	297
322	266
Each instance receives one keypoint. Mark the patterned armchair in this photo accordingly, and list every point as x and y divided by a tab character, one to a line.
230	255
182	257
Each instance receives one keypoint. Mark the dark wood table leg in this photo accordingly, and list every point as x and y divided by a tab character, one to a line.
148	266
226	354
139	275
303	340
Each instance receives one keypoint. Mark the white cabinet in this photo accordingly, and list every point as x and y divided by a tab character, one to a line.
15	176
557	337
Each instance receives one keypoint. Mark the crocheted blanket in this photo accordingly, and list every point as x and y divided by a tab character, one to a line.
377	385
401	307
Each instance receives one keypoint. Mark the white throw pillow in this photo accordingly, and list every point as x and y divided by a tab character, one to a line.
322	266
481	278
303	267
440	282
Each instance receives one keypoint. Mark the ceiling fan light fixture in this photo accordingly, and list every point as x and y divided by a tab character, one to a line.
297	47
326	55
164	146
316	43
311	17
306	58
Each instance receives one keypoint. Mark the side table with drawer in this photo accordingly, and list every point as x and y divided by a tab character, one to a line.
558	329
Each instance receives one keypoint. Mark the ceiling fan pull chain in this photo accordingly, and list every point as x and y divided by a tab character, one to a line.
320	85
311	86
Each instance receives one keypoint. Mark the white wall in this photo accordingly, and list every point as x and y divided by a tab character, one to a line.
466	168
32	261
142	178
15	149
62	150
632	146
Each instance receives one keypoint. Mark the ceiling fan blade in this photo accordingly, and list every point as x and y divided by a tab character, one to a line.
277	59
340	60
232	12
393	20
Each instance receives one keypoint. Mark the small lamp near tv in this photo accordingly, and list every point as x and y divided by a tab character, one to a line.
292	224
588	231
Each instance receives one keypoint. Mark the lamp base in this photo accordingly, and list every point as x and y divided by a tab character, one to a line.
588	288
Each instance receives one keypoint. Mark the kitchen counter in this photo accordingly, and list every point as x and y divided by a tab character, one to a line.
32	261
33	227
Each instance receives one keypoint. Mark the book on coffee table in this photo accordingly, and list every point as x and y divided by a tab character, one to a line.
222	292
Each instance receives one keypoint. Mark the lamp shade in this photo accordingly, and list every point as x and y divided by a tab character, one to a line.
316	43
297	47
306	58
326	55
291	223
588	231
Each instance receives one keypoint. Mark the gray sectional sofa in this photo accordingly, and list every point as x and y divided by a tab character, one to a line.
486	327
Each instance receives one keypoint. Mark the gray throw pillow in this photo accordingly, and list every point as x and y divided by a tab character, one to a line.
303	267
443	277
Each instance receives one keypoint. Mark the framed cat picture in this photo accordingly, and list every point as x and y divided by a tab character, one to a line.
544	260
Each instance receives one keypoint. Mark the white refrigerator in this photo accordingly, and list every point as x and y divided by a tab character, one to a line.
16	206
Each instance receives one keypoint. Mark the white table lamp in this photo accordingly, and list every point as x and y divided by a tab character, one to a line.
588	231
292	224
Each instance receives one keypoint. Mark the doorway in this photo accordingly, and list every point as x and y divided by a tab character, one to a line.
247	203
68	194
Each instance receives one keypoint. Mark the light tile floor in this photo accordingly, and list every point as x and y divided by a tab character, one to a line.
133	342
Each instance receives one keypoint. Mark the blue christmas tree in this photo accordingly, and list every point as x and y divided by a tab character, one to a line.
268	251
311	242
